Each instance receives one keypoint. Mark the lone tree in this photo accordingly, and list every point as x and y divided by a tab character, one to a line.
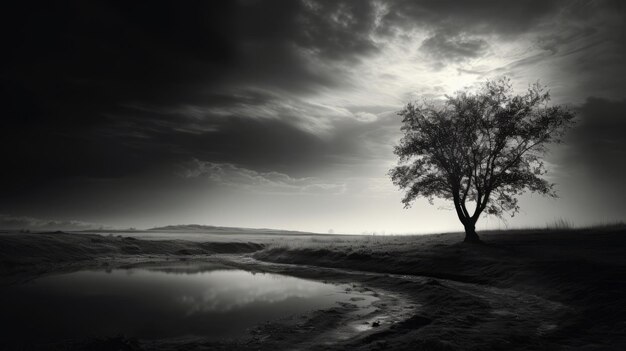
482	148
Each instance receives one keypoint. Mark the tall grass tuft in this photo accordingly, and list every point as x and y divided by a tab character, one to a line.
560	224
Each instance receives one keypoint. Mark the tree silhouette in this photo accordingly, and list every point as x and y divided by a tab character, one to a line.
482	149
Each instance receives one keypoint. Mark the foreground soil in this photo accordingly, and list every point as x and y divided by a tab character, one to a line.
520	290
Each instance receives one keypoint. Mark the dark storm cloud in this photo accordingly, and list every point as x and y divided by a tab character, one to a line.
598	143
445	49
449	17
260	143
555	42
112	89
79	75
344	25
461	30
147	145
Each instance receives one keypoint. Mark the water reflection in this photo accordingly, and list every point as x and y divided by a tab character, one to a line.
151	304
235	289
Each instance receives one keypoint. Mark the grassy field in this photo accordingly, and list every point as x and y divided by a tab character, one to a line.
522	289
582	270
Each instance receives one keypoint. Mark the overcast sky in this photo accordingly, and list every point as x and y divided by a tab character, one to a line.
282	114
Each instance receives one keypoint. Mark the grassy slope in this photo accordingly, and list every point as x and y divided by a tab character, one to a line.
509	259
582	269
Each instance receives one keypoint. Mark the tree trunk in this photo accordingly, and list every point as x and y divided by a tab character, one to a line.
470	234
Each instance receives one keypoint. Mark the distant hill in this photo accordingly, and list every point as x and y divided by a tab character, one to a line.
197	228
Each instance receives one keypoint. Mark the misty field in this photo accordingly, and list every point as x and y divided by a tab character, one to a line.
525	289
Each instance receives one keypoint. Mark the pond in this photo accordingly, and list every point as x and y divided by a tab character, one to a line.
155	303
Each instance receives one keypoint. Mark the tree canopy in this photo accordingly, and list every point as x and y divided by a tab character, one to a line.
482	148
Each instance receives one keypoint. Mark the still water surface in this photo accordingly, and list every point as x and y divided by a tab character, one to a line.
157	303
